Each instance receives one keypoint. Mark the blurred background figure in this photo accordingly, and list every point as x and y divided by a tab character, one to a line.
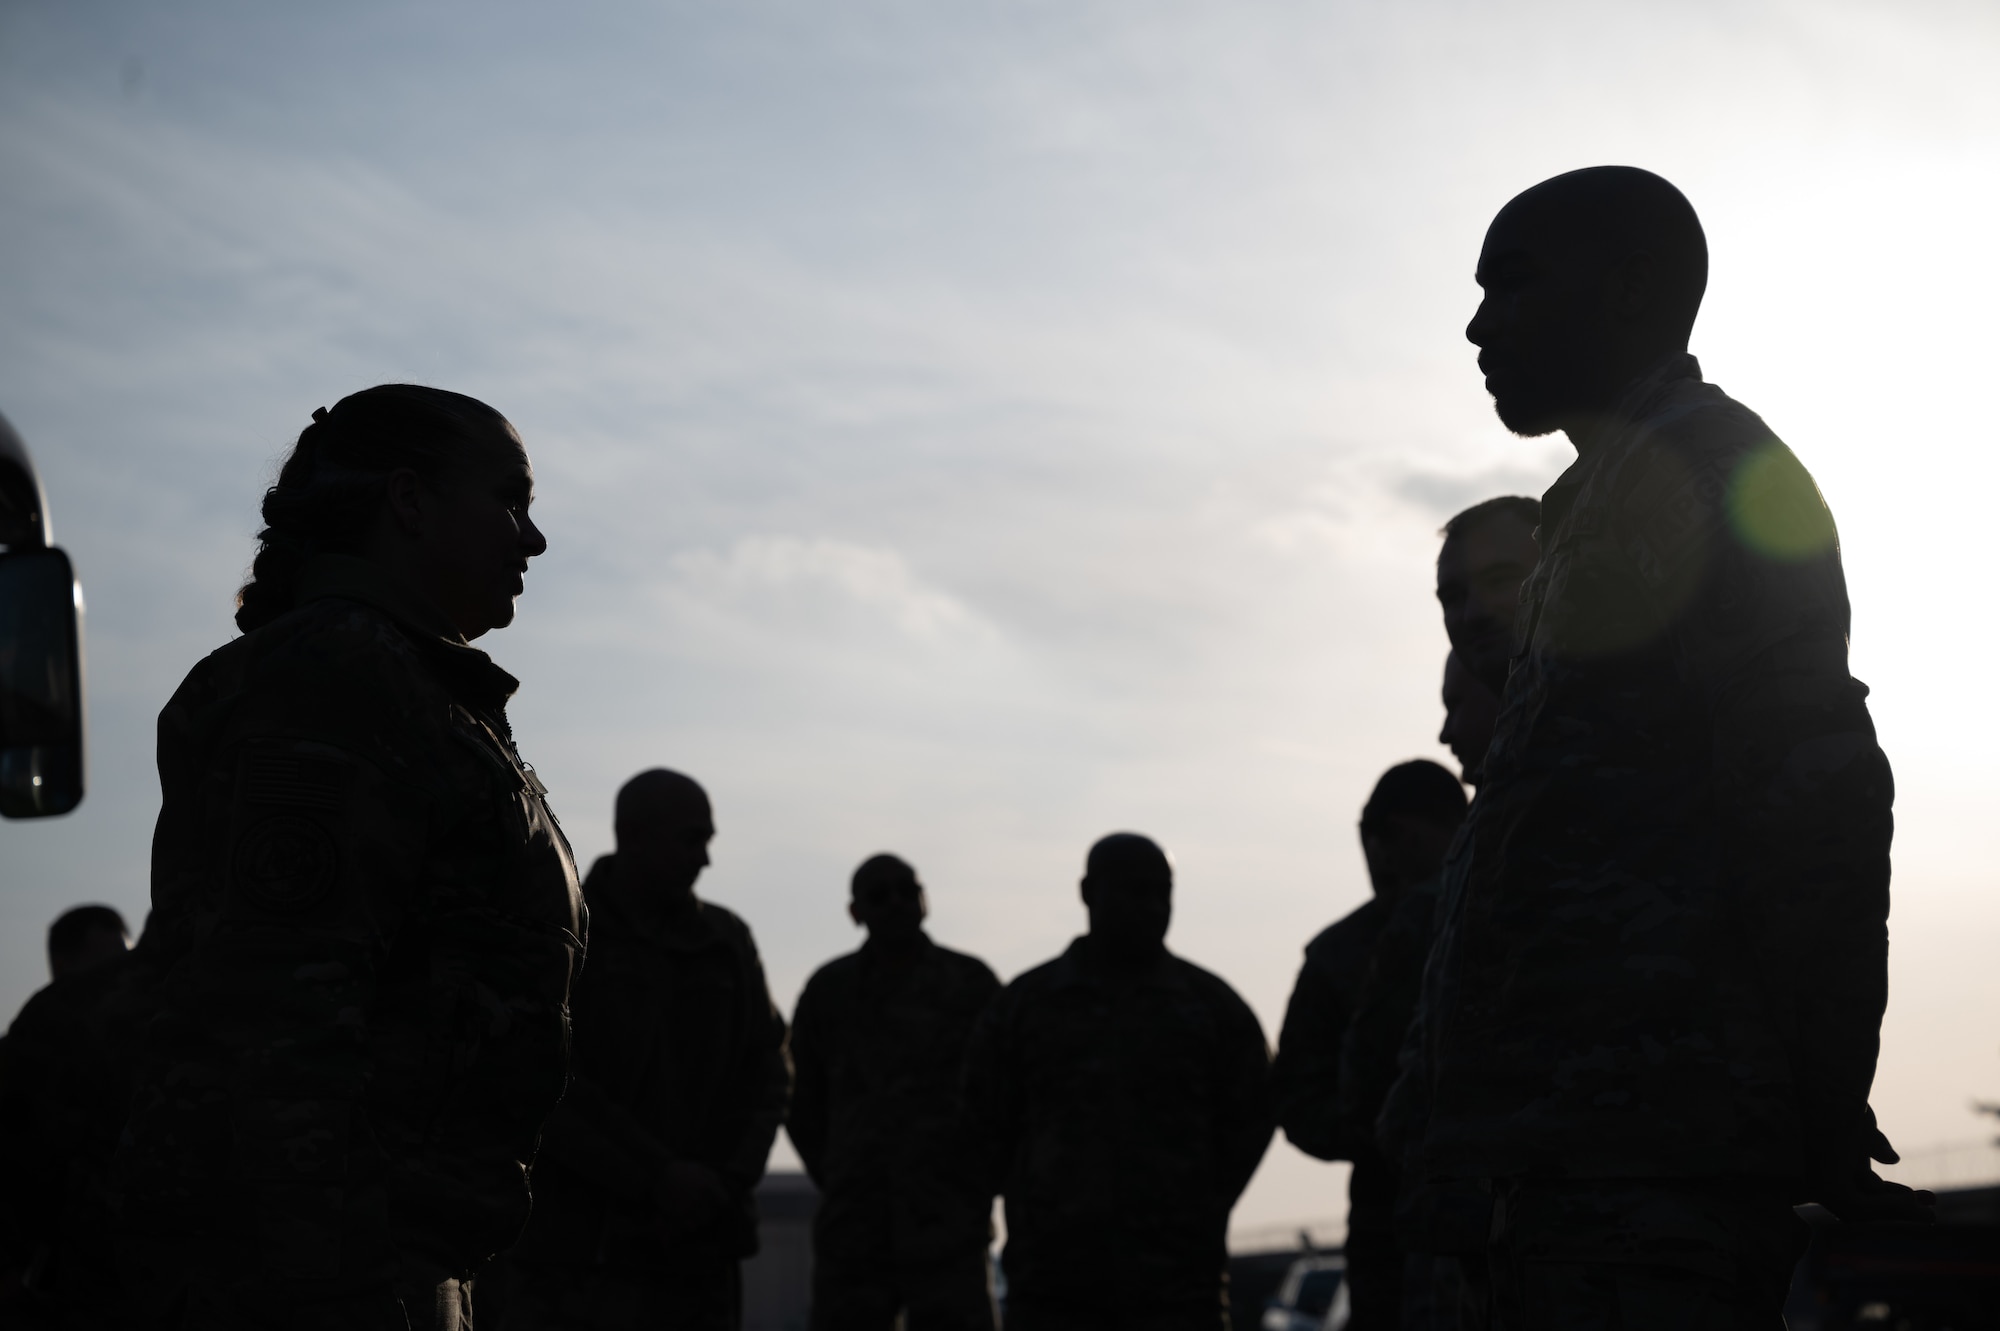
1470	712
878	1043
1119	1099
1489	550
65	1087
1405	827
84	938
643	1206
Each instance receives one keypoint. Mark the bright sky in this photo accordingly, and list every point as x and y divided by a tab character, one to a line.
966	430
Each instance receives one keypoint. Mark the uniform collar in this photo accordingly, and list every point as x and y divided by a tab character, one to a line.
1073	969
1638	400
599	894
350	578
1641	399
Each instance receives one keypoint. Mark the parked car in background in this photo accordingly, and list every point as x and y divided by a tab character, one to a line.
1312	1296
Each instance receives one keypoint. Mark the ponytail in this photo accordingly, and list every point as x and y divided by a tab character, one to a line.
333	483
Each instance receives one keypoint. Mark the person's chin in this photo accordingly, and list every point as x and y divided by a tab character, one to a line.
1525	416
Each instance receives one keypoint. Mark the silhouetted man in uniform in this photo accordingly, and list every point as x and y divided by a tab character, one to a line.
1471	710
1405	826
878	1042
1488	552
65	1088
1119	1098
1652	1016
643	1206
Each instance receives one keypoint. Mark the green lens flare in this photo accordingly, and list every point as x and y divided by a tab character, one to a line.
1775	507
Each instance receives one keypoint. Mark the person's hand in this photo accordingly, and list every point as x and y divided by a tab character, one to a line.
690	1198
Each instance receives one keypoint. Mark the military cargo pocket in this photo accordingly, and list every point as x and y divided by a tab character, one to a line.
292	1156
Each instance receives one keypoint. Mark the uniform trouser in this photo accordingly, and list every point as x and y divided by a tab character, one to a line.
1065	1315
954	1294
1374	1280
1647	1255
686	1292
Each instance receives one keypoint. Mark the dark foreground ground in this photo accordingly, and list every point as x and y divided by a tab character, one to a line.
1853	1278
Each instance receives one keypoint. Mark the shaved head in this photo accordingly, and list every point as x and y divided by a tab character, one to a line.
882	871
1126	854
1606	214
663	824
1128	886
1591	279
888	900
660	795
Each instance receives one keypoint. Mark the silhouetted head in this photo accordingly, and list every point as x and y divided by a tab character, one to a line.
1591	279
431	484
1128	888
1470	713
1407	824
663	825
84	938
888	900
1488	552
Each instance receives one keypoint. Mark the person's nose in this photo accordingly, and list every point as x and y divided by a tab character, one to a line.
1477	331
532	540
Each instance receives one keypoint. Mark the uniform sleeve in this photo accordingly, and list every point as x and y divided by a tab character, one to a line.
767	1079
319	851
991	1103
806	1120
1243	1099
1385	1005
1305	1079
1802	789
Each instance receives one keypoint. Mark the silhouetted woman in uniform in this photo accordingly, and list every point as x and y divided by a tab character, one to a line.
366	917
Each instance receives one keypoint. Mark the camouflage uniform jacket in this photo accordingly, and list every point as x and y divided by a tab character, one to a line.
680	1055
367	921
1665	935
1385	1004
878	1044
1305	1075
1121	1121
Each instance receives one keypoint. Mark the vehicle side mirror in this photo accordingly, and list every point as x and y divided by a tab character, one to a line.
41	651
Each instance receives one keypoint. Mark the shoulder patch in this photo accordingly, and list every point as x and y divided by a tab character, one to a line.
285	862
289	778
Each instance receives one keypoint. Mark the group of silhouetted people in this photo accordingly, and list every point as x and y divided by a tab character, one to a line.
1594	1037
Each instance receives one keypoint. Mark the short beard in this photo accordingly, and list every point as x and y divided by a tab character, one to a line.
1525	416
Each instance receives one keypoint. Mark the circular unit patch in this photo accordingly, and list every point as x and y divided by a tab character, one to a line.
285	862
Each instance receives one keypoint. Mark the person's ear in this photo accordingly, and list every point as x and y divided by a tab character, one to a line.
404	492
1634	287
923	903
1088	891
854	912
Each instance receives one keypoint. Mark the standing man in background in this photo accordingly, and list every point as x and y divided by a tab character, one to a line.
1405	826
1119	1098
643	1207
1651	1019
1488	552
878	1041
66	1068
